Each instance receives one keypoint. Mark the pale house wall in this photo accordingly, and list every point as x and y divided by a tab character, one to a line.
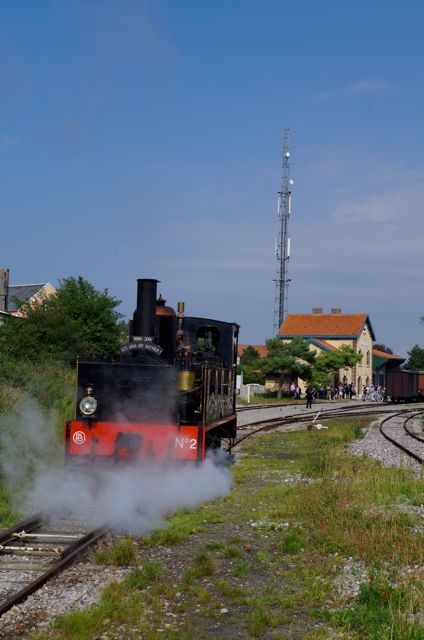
46	291
363	370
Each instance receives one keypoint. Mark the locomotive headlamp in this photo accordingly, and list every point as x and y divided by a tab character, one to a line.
88	405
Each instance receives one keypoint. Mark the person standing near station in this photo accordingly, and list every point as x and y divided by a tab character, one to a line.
309	396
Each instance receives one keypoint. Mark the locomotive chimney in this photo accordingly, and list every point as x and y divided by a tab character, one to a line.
144	315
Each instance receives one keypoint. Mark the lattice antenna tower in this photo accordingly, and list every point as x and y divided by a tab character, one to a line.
282	247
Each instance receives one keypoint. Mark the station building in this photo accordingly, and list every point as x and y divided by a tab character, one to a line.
328	332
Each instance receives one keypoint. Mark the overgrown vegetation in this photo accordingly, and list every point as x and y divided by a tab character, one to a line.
250	366
312	543
32	418
121	553
38	353
76	321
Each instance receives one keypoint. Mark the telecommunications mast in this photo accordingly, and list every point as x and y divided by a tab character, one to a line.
282	248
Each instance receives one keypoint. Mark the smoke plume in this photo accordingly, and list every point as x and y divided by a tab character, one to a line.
133	499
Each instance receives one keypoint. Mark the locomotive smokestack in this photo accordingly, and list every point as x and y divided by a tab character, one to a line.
144	315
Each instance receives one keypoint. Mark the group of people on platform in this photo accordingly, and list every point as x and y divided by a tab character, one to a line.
336	392
342	391
371	392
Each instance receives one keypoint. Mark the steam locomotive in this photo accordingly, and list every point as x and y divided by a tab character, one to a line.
170	394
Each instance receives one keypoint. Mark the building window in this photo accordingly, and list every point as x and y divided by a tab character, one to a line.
368	357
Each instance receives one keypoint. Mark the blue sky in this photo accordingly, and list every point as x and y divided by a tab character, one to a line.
144	139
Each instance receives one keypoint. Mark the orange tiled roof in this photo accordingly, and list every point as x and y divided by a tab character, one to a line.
385	355
335	325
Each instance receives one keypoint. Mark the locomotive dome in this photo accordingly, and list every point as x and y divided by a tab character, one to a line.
162	309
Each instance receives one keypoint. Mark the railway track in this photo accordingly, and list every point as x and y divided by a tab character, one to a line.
301	420
404	431
33	551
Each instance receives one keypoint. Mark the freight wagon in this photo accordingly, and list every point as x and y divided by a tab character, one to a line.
404	386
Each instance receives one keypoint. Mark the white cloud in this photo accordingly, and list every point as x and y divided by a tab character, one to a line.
353	89
369	86
403	205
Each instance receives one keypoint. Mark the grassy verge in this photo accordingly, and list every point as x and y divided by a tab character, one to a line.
35	402
312	543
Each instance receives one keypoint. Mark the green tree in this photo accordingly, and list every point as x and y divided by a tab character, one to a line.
77	321
250	356
328	363
250	366
416	359
288	360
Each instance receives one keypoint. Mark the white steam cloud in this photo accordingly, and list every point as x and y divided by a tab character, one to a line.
131	499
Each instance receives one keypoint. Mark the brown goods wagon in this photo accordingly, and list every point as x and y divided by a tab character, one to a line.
402	386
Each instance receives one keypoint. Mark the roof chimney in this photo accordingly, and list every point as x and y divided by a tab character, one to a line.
317	310
4	288
336	310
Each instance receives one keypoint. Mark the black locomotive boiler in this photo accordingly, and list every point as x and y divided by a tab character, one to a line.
170	394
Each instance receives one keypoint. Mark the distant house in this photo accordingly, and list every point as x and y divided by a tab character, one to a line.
328	332
15	298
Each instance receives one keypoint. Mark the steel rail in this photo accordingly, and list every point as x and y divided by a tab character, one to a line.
409	431
66	558
30	524
396	443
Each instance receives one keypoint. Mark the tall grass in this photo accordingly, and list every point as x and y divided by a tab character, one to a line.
35	402
52	385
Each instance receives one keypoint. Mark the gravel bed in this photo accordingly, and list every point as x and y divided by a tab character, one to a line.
374	445
76	588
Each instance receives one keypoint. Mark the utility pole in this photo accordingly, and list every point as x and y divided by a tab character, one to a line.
282	247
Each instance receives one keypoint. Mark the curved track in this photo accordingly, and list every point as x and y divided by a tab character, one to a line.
293	417
404	431
299	420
